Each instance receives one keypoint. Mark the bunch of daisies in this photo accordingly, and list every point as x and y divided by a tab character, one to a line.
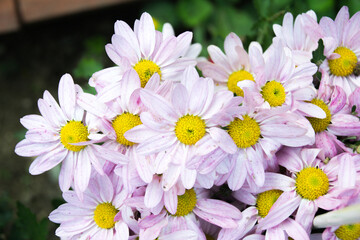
248	149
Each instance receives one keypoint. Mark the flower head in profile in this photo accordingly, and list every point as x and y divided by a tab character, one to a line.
63	134
341	49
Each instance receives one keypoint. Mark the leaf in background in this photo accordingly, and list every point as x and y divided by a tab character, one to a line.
322	7
86	67
6	212
163	11
26	227
95	45
262	7
194	12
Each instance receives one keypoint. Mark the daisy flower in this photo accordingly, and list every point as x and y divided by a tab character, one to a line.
338	121
301	36
147	51
257	135
312	185
94	216
229	68
280	83
185	127
119	115
193	203
341	49
64	134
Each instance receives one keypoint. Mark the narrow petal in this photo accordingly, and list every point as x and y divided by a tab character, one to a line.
305	214
82	173
146	34
223	139
47	161
219	208
153	193
67	95
223	222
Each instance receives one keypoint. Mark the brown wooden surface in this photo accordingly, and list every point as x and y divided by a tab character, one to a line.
8	18
34	10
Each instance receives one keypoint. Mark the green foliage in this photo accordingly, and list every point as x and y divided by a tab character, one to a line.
193	12
26	226
86	67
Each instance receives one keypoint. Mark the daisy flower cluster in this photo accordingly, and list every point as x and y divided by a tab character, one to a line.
242	145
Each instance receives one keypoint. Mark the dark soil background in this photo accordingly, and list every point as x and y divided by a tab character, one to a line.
32	60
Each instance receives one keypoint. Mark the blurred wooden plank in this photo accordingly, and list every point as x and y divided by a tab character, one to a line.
8	18
34	10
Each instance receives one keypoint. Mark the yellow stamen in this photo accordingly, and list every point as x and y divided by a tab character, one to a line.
319	124
274	93
189	129
348	232
104	215
311	183
123	123
145	69
73	132
265	200
245	133
186	203
236	77
345	64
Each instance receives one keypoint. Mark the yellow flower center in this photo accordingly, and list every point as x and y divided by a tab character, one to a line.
186	203
145	69
345	64
245	133
123	123
319	124
311	183
265	200
104	215
73	132
348	232
274	93
189	129
236	77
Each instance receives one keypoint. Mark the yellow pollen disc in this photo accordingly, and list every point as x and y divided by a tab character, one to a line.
189	129
265	200
145	69
186	203
245	133
345	64
123	123
73	132
311	183
348	232
104	215
319	124
236	77
274	93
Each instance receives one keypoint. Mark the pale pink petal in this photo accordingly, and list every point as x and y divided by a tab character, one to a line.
180	98
91	104
223	222
294	229
34	121
47	161
67	95
113	55
338	100
218	57
158	105
324	141
42	135
109	155
66	175
145	131
218	208
122	231
125	49
82	172
344	125
255	167
347	171
183	44
188	177
143	167
153	193
213	71
156	143
305	214
205	145
123	29
284	206
238	174
87	202
231	41
171	176
146	34
223	139
180	235
275	233
199	96
165	51
277	181
171	200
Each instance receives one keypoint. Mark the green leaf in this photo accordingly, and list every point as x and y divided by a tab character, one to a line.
6	211
322	7
86	67
354	5
194	12
262	7
162	11
95	45
27	227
